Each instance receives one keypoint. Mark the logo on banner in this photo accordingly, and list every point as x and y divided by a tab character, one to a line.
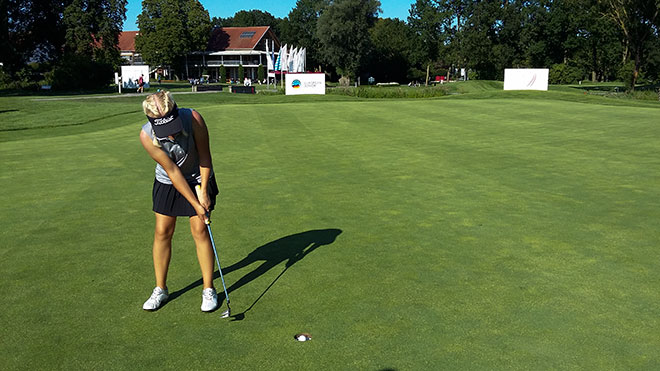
532	81
295	84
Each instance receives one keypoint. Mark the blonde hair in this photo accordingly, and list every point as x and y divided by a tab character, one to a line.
158	105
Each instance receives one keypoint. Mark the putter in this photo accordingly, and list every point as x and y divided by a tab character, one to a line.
226	313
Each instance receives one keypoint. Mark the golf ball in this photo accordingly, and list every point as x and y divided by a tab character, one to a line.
303	337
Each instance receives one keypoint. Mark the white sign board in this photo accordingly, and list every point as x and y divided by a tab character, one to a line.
526	78
305	83
131	74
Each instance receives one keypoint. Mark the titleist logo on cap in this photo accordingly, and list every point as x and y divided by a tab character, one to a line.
157	121
163	120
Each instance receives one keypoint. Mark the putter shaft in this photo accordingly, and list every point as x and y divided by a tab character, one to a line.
215	253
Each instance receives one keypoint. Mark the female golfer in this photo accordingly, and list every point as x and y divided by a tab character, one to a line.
177	139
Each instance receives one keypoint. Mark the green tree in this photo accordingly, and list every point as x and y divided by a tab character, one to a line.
64	39
198	25
478	38
489	36
241	73
90	49
221	22
638	20
252	18
427	22
249	18
170	29
392	42
598	47
455	15
93	28
653	60
5	44
550	32
30	30
162	37
343	30
261	73
299	28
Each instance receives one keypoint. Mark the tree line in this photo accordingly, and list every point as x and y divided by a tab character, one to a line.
65	43
577	39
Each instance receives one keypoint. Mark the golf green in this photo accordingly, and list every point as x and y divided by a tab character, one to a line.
505	231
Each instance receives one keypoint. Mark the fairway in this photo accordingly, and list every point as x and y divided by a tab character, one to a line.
506	231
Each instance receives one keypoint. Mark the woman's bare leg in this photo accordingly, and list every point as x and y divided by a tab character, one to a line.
162	249
204	249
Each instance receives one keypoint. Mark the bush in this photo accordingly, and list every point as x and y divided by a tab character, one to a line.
564	74
241	73
4	78
222	73
14	82
276	91
21	85
386	92
261	72
651	95
625	74
27	78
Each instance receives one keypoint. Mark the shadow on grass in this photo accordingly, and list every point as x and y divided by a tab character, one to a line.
291	249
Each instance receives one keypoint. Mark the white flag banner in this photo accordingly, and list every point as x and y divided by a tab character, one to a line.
299	61
269	59
278	61
303	60
292	60
285	58
296	61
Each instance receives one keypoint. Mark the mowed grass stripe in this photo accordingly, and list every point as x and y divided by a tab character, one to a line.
475	234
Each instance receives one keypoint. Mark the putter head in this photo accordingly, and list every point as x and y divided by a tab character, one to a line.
226	314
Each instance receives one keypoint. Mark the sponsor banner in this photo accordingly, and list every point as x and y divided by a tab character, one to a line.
305	83
526	78
131	74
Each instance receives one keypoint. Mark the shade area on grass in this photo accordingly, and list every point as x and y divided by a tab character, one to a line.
509	232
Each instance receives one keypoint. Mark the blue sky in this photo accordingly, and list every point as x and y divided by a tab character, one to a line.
278	8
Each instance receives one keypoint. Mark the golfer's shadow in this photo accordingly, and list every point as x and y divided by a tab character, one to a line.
291	249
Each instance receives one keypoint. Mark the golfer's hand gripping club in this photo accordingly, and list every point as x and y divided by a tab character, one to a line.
198	190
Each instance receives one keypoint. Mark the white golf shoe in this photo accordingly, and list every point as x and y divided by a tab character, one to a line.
209	300
157	298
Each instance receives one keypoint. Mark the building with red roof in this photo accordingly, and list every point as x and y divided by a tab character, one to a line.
127	47
235	46
230	47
